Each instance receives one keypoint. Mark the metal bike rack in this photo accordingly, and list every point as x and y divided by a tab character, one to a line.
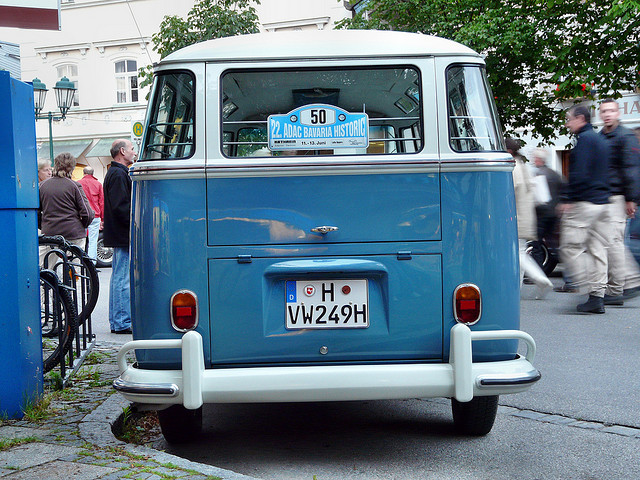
72	277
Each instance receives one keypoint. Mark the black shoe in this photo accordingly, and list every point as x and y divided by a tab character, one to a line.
126	331
592	305
566	288
527	281
613	300
630	293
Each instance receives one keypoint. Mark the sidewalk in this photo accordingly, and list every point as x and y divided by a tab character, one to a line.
74	440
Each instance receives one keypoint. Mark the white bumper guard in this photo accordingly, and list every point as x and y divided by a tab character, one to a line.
194	385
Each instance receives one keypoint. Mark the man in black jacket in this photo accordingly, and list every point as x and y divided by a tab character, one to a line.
624	169
584	206
117	218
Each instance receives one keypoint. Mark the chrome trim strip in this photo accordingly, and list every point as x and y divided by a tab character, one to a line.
169	175
316	170
476	166
164	172
505	380
164	389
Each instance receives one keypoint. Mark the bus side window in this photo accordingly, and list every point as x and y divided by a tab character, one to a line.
473	123
170	128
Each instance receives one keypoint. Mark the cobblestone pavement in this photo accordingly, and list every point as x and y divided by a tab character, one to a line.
68	435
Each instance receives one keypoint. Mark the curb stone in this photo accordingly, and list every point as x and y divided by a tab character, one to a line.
75	440
97	426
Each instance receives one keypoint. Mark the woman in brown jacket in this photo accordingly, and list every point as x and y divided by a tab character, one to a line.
64	207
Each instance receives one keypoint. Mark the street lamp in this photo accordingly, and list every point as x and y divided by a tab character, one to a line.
65	91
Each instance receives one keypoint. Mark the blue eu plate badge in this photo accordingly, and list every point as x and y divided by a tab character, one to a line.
291	292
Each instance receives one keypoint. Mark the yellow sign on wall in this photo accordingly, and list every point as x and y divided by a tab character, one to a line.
137	129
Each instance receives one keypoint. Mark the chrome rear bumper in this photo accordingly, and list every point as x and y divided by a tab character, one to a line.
194	385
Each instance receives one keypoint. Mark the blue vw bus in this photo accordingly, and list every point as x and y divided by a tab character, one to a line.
323	216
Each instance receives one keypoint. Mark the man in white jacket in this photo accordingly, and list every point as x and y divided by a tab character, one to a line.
525	210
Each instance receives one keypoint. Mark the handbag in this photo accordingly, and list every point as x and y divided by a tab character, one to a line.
541	193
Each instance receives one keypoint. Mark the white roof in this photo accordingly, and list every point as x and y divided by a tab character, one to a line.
319	44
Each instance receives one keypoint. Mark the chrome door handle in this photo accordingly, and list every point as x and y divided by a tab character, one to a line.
324	229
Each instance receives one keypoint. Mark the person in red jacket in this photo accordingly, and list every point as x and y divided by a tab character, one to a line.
93	190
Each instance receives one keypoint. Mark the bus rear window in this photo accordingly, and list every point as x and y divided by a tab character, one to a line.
170	127
389	96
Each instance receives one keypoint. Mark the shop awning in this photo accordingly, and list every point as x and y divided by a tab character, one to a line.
102	148
74	147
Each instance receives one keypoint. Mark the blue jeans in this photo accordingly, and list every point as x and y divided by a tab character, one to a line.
633	237
119	291
94	232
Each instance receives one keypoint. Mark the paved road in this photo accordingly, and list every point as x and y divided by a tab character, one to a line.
582	421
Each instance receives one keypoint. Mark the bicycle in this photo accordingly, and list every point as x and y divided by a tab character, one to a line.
79	268
58	319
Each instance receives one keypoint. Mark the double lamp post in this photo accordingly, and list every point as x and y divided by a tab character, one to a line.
65	91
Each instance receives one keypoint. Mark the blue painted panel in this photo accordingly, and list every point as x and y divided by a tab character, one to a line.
20	342
168	253
247	304
19	179
283	210
480	245
242	304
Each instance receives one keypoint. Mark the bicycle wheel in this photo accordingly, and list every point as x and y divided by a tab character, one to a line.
81	273
58	319
87	283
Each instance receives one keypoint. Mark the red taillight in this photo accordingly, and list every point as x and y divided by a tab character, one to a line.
184	310
467	303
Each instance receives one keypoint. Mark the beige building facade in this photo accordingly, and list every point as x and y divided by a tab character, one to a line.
101	46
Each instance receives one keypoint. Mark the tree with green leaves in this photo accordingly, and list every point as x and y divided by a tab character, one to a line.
540	54
206	20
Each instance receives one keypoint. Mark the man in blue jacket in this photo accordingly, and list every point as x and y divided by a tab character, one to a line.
584	206
117	219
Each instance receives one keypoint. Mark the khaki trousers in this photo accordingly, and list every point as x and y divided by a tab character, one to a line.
623	271
584	233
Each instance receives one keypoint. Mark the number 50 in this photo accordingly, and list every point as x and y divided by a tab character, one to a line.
318	116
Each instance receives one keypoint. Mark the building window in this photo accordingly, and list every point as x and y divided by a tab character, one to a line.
126	81
71	72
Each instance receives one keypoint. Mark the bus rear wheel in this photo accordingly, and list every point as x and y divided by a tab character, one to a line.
476	417
180	425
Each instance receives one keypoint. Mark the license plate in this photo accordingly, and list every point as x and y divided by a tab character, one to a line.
326	304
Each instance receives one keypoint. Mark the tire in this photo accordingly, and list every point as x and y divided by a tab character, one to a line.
549	260
105	254
476	417
87	280
58	319
180	425
81	274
